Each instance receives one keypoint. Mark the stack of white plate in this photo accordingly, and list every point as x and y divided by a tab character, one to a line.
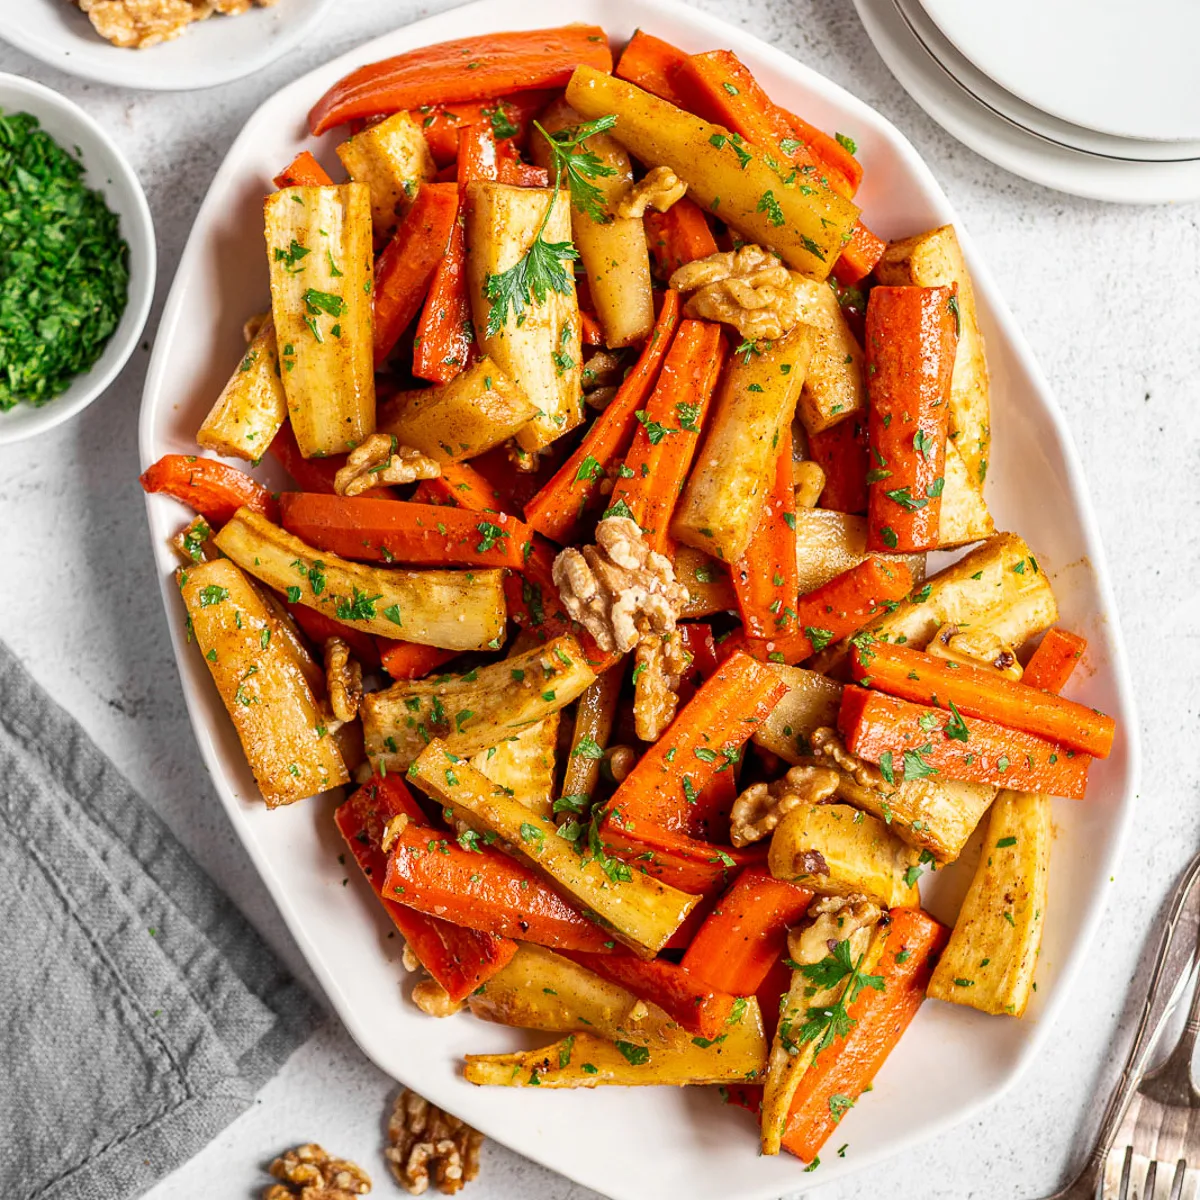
1084	96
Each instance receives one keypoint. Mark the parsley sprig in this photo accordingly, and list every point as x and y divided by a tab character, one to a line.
824	1024
579	166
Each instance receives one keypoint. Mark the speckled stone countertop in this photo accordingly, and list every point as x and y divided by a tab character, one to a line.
1109	298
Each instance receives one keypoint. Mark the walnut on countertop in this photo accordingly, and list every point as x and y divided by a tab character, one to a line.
760	808
659	664
750	289
310	1173
619	589
427	1142
140	24
379	460
658	189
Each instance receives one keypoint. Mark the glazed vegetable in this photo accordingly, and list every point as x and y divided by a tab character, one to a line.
964	515
523	763
753	407
1055	660
911	340
445	340
393	160
411	660
651	63
508	117
841	452
859	256
266	695
678	236
710	590
252	406
810	702
829	543
319	254
303	171
457	610
594	718
208	487
834	384
64	267
806	224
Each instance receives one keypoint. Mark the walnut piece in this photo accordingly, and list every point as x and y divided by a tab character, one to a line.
751	290
343	680
762	806
619	589
659	189
828	747
659	666
424	1141
832	919
139	24
310	1173
433	999
378	460
976	648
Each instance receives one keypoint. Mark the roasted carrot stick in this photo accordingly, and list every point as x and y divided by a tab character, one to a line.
318	628
411	660
694	1004
668	432
843	1071
680	235
651	63
705	737
404	270
840	164
1054	660
859	256
460	486
208	487
555	511
509	117
589	329
841	607
445	341
702	868
841	452
977	692
766	579
911	340
465	69
911	741
368	530
311	474
746	933
303	171
461	960
468	882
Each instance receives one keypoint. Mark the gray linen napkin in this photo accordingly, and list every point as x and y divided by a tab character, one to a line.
139	1012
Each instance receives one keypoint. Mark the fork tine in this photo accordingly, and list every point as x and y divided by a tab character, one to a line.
1150	1186
1126	1171
1177	1183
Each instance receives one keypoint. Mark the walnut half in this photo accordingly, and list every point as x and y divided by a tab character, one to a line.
311	1173
426	1141
760	808
659	664
377	461
658	189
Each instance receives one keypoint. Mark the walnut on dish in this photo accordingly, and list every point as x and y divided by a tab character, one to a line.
310	1173
750	289
140	24
659	664
832	919
828	748
379	460
433	999
429	1144
658	189
976	648
619	589
760	808
343	680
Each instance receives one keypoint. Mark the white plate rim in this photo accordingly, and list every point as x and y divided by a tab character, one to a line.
473	16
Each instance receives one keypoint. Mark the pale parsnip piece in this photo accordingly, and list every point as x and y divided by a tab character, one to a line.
456	610
812	701
964	514
803	220
478	409
828	543
641	912
710	589
392	158
935	259
837	850
264	691
594	717
613	252
322	274
252	406
471	712
735	464
834	385
585	1060
524	763
541	350
993	951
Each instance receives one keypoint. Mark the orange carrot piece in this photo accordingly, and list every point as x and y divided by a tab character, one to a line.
693	1004
841	607
702	868
461	960
651	63
841	1073
911	741
412	660
977	692
837	159
405	268
471	68
841	452
668	432
911	340
369	530
556	510
461	486
319	627
209	487
303	171
746	933
1054	660
445	341
589	329
706	737
678	236
485	889
766	579
312	474
859	256
440	123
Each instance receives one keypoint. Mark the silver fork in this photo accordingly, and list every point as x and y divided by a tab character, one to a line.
1176	952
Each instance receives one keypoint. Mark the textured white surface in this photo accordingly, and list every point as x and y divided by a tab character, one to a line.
1110	300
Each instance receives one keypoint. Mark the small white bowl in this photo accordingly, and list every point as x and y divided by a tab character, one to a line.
107	171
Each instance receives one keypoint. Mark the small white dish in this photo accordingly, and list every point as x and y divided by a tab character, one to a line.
217	50
640	1143
106	171
1104	64
1001	140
